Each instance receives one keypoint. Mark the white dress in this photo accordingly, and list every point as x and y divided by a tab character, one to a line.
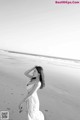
33	106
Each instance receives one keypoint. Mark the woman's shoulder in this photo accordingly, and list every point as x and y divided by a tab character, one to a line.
38	83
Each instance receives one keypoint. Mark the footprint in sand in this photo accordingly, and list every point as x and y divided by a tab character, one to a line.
46	110
8	108
12	93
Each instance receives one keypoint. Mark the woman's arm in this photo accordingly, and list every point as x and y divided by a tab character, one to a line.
34	88
28	71
31	82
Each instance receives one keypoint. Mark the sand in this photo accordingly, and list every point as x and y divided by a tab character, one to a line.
59	100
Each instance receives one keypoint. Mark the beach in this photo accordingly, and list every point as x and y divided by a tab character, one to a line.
59	100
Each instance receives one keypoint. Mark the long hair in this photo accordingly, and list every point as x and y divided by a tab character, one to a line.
41	77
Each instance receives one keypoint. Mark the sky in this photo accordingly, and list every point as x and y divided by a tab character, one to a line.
40	27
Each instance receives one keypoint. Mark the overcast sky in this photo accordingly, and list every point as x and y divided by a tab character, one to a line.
40	27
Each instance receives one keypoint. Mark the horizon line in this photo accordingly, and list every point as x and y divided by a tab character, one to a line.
46	56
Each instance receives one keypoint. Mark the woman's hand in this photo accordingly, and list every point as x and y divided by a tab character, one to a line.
20	108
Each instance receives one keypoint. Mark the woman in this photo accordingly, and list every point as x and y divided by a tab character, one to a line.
37	80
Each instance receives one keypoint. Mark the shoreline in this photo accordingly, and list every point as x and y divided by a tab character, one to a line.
45	56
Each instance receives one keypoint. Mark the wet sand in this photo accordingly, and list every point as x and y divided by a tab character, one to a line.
59	100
